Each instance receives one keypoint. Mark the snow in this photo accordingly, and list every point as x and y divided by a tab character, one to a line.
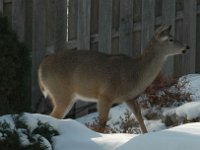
74	135
189	110
185	137
193	85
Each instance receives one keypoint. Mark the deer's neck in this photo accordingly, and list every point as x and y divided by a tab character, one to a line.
150	65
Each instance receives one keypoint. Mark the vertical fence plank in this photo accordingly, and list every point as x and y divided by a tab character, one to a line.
72	19
94	19
137	17
1	6
178	58
50	26
105	25
83	31
115	25
126	27
94	22
189	29
168	17
38	46
18	18
29	22
198	46
148	21
61	24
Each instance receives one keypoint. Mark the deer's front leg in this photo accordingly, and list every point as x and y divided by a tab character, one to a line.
135	107
103	108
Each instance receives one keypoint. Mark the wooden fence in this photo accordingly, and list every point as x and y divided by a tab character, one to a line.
110	26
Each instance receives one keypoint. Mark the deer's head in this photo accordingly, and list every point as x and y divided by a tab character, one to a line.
166	44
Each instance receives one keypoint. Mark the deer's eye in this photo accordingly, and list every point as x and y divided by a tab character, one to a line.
171	40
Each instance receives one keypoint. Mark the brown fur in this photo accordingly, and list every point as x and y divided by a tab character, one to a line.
106	78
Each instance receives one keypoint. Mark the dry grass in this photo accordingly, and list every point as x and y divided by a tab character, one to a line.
168	98
126	125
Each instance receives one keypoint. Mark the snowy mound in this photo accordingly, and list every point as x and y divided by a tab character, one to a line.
75	136
185	137
189	111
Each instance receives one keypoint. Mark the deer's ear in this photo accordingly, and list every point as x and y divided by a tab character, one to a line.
163	32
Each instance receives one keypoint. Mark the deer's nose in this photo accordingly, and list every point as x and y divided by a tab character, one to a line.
184	51
187	47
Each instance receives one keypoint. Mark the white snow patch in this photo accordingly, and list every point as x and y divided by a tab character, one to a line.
185	137
189	110
193	85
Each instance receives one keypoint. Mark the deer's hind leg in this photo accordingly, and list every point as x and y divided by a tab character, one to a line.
62	100
135	107
60	109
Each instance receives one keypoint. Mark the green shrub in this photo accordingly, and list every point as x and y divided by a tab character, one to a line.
14	71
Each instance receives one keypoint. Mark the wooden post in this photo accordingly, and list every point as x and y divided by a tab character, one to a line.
168	17
105	25
126	27
38	46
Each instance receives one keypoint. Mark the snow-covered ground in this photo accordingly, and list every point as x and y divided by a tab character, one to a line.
74	135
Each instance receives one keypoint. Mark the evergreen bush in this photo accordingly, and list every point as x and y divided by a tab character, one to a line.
14	71
21	137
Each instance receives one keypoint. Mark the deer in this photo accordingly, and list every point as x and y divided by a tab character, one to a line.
106	79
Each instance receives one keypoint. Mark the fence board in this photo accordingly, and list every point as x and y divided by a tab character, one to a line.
115	25
168	17
198	46
50	26
148	21
105	25
29	22
94	16
189	28
38	45
1	6
18	18
94	22
72	19
7	10
178	58
115	14
61	24
126	27
137	15
83	31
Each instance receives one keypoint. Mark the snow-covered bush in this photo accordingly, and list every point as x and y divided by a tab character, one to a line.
20	136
